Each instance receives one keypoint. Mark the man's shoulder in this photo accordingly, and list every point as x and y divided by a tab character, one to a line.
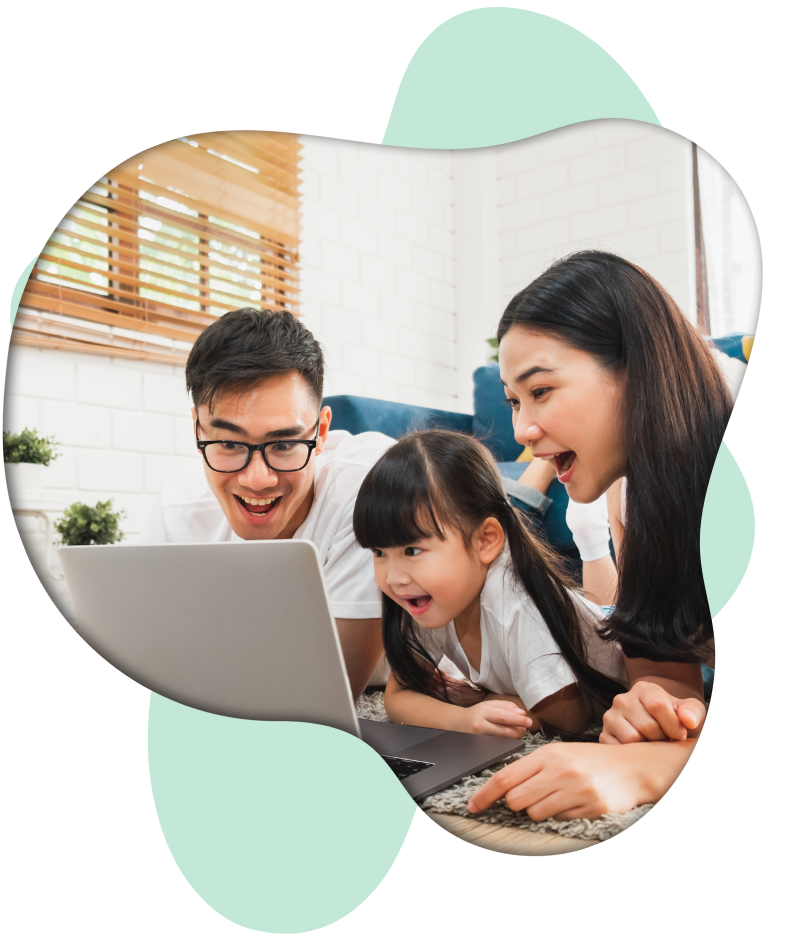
344	449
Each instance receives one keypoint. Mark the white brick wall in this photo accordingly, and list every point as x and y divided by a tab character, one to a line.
379	275
621	186
378	269
123	426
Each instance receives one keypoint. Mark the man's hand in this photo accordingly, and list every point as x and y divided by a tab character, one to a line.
501	718
650	713
362	647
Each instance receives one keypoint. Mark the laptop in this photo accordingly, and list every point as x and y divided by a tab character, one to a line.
244	629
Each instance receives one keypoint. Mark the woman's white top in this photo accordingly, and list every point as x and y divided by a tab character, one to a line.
623	501
519	656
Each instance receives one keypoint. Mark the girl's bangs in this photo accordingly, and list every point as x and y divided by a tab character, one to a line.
394	508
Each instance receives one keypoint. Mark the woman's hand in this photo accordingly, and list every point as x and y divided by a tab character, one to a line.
571	781
502	718
650	713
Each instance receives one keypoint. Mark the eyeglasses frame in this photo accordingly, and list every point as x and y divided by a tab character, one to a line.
311	445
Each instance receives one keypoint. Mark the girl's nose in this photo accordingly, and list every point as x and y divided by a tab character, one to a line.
257	475
396	576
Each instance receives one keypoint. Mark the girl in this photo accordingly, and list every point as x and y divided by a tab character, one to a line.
609	381
462	577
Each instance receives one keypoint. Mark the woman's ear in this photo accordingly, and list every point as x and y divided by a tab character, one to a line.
489	540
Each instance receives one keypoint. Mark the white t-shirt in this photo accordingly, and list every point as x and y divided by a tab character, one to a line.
187	511
519	656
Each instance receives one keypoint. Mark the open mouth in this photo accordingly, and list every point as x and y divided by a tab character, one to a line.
564	463
418	605
258	507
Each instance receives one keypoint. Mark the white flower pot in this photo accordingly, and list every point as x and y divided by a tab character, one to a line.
25	482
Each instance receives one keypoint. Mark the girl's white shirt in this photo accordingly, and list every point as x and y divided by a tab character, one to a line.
519	656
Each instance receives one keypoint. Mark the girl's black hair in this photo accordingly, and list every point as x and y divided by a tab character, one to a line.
676	406
431	480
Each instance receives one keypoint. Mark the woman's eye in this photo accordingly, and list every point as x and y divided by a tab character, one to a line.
538	393
411	550
512	403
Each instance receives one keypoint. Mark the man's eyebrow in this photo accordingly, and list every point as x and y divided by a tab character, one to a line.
524	376
223	425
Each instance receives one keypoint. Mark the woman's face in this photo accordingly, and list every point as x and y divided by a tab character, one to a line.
567	408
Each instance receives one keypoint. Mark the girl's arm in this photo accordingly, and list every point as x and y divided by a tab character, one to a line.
406	707
563	710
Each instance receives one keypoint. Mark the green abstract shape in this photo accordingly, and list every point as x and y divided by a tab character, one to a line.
20	289
727	532
496	75
280	826
287	827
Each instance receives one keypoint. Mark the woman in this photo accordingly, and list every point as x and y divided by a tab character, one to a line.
611	384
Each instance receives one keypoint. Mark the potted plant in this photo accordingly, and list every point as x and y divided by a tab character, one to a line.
90	525
25	455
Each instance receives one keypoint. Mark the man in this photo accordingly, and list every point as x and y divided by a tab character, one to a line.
272	469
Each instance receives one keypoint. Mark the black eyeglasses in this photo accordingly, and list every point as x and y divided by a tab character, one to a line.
280	456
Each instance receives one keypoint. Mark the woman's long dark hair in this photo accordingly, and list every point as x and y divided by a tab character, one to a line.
431	480
675	409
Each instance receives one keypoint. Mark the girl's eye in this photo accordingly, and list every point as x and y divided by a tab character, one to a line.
378	553
538	393
411	550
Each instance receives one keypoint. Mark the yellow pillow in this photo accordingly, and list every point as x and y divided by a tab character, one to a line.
746	346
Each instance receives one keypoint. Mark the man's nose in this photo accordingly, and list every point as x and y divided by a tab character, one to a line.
258	475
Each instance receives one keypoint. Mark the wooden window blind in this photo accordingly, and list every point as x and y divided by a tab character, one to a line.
166	243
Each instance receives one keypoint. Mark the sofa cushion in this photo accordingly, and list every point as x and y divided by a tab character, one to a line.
492	417
356	414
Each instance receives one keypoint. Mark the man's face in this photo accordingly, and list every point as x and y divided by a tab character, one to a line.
279	408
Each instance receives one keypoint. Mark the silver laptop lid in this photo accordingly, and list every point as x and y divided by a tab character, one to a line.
241	629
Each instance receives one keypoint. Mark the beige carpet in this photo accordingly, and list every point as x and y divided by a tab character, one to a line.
454	800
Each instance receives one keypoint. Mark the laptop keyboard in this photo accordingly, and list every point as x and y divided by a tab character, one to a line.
403	767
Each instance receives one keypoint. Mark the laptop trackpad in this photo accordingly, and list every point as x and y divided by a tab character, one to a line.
386	738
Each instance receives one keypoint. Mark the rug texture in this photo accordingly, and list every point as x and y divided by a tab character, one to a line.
454	800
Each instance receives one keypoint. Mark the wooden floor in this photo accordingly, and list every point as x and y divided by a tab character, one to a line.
508	840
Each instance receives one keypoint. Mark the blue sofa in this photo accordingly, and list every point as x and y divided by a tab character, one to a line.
491	422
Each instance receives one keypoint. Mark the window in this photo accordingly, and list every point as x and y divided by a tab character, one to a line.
165	244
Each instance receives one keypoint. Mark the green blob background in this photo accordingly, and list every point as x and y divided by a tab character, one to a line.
727	531
493	76
237	799
279	826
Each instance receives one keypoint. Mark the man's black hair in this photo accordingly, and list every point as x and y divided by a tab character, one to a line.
245	346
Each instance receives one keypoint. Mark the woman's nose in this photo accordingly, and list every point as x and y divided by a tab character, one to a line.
526	431
257	475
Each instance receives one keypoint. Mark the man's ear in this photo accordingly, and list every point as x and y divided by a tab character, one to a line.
489	539
325	423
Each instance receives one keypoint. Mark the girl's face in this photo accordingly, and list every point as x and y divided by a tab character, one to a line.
438	581
567	408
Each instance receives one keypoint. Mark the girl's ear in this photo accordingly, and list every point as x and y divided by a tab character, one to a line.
489	540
